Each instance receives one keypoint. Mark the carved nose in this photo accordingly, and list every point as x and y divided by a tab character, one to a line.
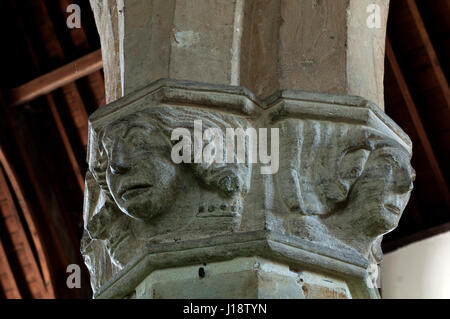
404	180
117	162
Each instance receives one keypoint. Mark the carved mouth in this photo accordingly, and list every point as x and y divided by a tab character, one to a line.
134	190
393	209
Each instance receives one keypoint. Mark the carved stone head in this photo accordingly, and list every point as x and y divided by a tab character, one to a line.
147	197
140	175
375	202
342	183
379	196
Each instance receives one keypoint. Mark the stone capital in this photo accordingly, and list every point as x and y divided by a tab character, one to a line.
343	180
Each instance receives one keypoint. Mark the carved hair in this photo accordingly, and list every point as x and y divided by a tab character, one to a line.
323	160
228	179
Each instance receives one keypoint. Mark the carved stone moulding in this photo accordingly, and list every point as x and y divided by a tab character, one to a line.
343	180
298	254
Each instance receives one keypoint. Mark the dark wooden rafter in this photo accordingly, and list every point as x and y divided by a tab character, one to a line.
415	117
81	43
56	79
91	63
7	280
65	139
51	81
75	104
54	51
29	218
71	94
27	213
54	233
20	242
59	224
434	60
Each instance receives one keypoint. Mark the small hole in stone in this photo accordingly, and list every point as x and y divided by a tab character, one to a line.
211	208
201	272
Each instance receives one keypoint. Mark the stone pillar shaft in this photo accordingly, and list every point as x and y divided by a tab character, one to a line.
263	45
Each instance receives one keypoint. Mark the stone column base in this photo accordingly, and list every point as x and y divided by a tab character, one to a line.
241	266
245	277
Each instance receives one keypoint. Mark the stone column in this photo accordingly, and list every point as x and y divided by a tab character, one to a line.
174	210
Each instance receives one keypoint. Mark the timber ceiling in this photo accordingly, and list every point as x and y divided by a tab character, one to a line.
51	80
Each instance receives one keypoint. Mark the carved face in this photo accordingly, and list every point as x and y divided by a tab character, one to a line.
140	175
114	228
381	193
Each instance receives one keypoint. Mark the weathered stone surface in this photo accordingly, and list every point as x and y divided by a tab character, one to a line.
313	228
243	277
343	181
238	278
264	45
306	261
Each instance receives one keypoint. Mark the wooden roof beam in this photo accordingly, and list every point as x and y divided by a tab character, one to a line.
7	280
29	218
63	78
81	44
434	60
412	110
56	79
65	139
42	198
20	242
